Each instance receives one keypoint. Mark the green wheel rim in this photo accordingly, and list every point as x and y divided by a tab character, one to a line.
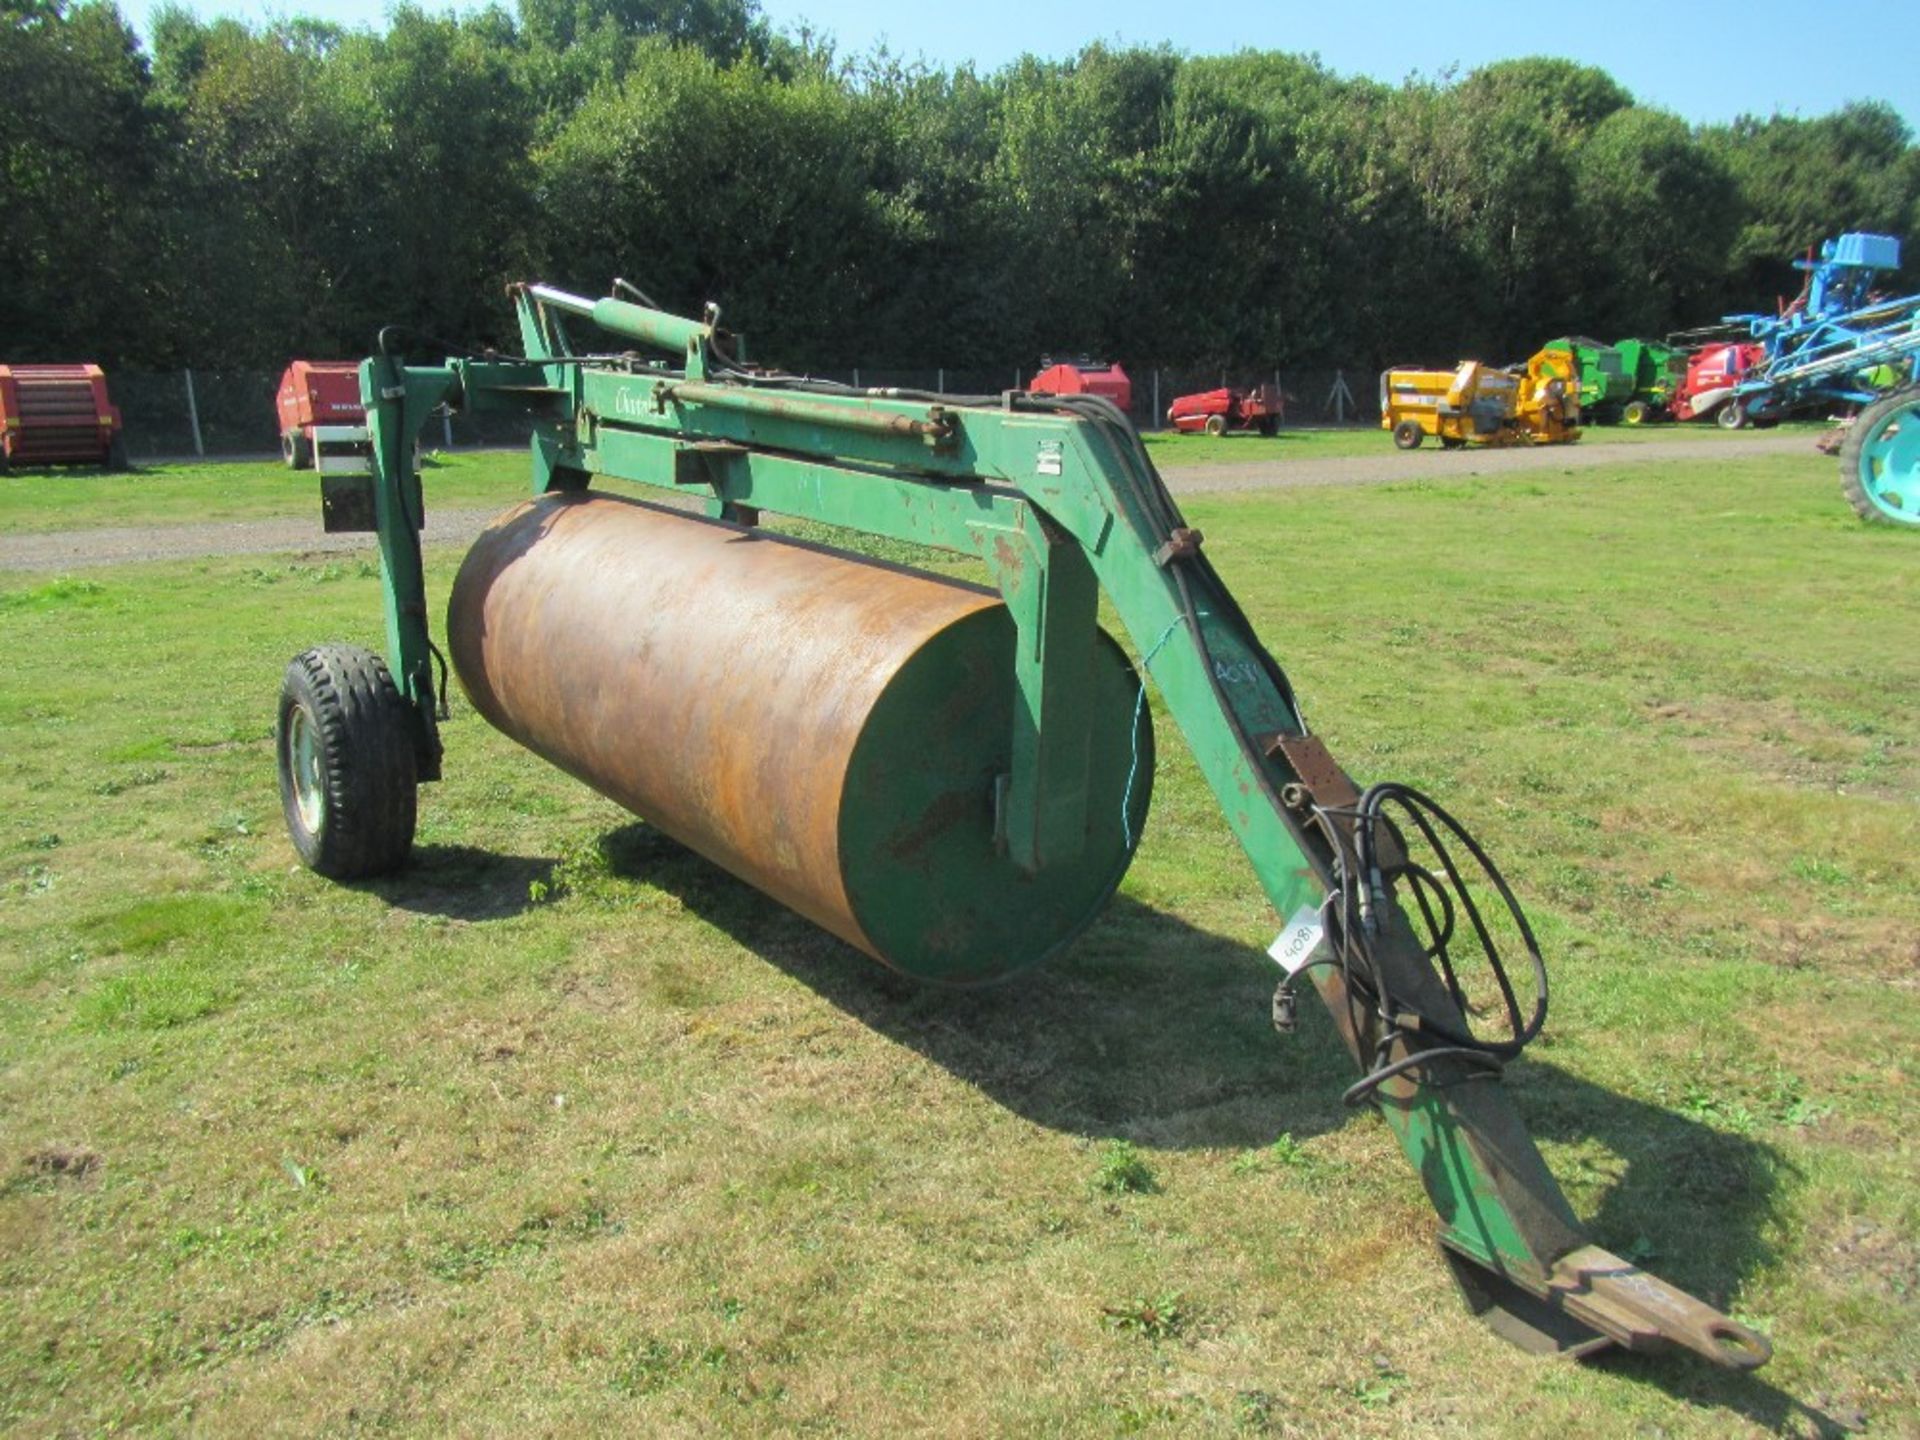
1890	465
303	761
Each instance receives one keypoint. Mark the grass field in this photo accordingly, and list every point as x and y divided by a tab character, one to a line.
564	1130
182	493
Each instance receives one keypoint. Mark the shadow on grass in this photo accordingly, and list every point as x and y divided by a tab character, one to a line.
1151	1029
463	883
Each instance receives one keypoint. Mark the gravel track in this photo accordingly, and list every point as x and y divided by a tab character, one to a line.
61	550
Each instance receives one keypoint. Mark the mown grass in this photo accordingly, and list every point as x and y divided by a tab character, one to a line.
183	494
190	494
649	1155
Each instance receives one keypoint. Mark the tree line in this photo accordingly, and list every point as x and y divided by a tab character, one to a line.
237	195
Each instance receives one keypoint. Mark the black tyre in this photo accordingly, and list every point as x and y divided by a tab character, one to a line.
1408	435
1216	425
1452	442
1732	416
296	450
349	777
1269	425
117	451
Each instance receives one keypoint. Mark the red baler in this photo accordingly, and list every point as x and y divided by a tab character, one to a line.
1712	372
1084	377
322	422
58	415
1262	408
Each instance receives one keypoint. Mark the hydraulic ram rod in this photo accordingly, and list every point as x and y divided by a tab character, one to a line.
673	333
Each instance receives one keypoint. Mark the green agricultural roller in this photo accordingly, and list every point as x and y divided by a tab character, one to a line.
1656	370
950	777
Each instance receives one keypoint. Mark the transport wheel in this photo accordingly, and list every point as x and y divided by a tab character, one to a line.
349	778
1732	416
1216	425
1880	461
1269	425
117	451
1408	435
1452	442
1636	413
296	450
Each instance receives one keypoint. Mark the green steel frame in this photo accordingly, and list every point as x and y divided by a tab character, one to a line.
1052	503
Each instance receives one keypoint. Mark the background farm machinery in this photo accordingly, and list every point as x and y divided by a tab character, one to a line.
1214	412
1836	343
59	415
1605	382
323	425
1657	371
950	777
1478	404
1083	376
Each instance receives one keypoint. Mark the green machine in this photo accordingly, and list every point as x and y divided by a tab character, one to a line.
1656	371
1606	380
951	777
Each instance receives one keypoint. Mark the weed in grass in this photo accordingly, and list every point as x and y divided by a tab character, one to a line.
1166	1317
1123	1170
1382	1386
1286	1153
585	870
132	780
1257	1410
54	594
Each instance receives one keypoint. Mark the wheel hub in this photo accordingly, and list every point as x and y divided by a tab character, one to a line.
303	761
1890	467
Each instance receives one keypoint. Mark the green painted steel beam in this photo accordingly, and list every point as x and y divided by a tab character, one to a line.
398	401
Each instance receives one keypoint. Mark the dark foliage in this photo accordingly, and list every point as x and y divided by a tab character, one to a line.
243	194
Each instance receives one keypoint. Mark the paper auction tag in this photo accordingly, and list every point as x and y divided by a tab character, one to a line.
1297	943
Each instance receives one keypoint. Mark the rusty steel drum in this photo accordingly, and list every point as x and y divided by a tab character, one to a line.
828	728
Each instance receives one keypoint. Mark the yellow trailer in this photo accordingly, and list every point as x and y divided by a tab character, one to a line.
1479	404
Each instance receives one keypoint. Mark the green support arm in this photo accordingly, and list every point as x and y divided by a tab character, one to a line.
1061	504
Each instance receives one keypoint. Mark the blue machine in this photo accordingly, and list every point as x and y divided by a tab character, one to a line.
1837	341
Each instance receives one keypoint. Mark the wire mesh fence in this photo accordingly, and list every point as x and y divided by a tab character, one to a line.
230	414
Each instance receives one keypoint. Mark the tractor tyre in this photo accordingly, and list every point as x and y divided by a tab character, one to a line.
1216	425
1880	461
1407	435
1452	442
1731	416
1269	425
117	451
296	450
1638	412
349	774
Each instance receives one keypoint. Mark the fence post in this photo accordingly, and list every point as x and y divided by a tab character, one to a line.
941	385
856	378
1155	424
193	418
